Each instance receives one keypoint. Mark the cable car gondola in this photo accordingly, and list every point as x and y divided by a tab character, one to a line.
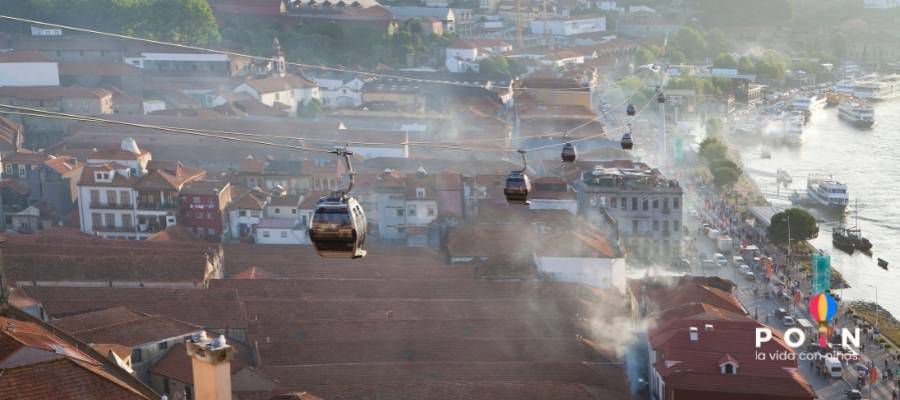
630	110
338	227
517	184
627	142
569	154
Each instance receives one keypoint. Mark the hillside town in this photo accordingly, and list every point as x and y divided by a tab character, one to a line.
447	199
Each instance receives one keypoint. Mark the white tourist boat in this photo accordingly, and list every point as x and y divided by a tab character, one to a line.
825	191
857	112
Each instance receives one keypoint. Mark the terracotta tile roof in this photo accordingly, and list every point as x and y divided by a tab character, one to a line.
666	298
175	233
115	152
572	243
290	200
310	199
483	240
38	364
695	365
253	273
105	268
62	164
23	57
252	166
204	187
25	157
164	179
249	201
97	69
123	326
15	185
211	309
105	348
280	84
176	364
52	92
493	390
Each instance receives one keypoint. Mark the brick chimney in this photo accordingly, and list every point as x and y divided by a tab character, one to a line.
211	363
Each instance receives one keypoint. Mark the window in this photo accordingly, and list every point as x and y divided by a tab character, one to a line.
634	225
254	214
10	169
110	220
136	356
242	213
96	219
634	205
111	197
675	203
211	232
163	345
126	220
277	210
646	204
21	171
729	369
303	220
294	211
665	226
430	211
420	192
196	200
265	233
400	212
614	202
412	211
283	234
666	203
125	197
655	226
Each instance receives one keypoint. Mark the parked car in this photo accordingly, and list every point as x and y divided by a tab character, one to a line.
788	320
780	313
854	394
737	260
744	268
720	259
749	275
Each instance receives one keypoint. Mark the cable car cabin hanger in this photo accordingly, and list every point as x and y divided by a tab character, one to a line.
338	227
518	187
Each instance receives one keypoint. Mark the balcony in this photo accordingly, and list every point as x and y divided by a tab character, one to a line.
110	206
129	229
167	206
666	210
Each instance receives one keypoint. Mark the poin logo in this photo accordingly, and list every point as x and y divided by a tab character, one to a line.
822	309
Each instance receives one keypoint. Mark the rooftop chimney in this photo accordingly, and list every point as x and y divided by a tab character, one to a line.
708	327
211	364
695	336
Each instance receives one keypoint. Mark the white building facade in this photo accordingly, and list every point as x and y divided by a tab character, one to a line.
568	26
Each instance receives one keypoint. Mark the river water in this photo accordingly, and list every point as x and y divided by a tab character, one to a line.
868	161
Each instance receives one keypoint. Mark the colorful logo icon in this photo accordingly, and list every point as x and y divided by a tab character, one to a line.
822	308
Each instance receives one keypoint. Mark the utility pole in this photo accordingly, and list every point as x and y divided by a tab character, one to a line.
519	41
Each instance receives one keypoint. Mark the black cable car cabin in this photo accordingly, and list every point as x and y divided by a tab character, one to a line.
338	227
627	143
517	188
630	110
569	154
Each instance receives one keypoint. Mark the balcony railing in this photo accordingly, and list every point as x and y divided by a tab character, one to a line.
129	229
157	206
111	206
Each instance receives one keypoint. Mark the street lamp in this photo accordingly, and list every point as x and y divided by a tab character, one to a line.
876	305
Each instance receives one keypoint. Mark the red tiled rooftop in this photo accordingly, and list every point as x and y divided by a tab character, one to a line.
123	326
23	57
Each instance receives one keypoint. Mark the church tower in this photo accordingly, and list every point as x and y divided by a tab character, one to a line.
279	68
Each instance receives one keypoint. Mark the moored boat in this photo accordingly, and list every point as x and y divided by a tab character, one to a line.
857	112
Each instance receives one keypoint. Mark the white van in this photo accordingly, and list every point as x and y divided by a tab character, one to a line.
834	367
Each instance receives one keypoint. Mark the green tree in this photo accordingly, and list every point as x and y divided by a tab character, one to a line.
644	56
676	57
690	42
716	43
803	226
713	128
312	108
725	177
725	60
746	66
183	21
